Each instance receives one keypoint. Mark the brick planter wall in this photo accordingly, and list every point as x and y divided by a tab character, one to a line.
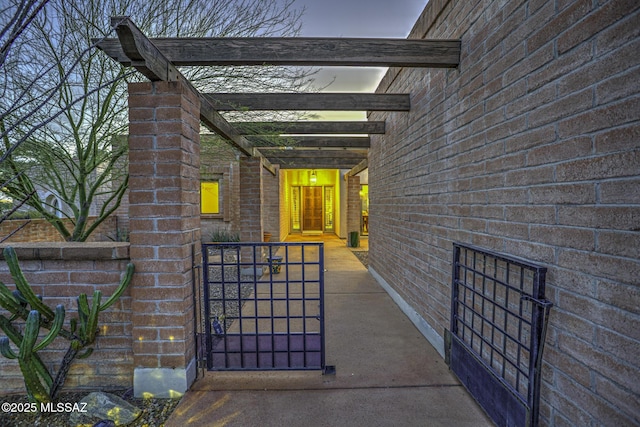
40	230
530	147
60	272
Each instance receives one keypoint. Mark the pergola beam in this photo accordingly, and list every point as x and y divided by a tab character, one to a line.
218	124
303	51
310	127
145	57
360	142
284	153
314	162
158	58
321	159
358	168
309	101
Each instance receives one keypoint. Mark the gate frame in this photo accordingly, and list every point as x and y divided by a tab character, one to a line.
505	404
257	250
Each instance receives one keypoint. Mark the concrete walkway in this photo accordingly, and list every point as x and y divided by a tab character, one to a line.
387	374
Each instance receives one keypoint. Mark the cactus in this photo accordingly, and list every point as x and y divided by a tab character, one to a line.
28	308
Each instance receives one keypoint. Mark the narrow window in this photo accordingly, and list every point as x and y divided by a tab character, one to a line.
210	197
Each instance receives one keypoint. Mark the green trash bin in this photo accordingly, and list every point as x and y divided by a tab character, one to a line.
354	239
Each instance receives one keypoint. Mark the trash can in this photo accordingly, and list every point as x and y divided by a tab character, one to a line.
354	239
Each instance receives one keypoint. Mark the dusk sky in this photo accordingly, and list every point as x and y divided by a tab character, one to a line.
357	18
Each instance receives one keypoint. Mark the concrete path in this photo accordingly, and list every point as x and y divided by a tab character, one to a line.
387	374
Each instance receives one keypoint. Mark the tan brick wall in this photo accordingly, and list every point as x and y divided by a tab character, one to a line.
530	147
164	198
251	199
353	205
218	158
60	272
40	230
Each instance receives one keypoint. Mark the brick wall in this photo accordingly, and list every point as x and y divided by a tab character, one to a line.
40	230
219	160
353	205
530	147
251	199
164	215
60	272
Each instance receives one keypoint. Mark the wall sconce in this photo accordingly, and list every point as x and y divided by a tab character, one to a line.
313	179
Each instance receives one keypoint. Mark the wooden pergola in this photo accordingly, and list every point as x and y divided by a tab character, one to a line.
157	59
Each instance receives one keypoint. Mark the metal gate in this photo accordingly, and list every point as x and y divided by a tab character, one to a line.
498	326
264	306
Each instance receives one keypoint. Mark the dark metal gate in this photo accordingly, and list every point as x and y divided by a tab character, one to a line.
264	306
498	326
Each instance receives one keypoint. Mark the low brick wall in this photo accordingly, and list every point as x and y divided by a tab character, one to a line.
60	272
40	230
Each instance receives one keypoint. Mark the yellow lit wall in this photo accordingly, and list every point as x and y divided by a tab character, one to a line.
303	177
323	178
209	197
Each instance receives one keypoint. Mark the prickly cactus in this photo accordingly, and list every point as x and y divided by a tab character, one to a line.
28	308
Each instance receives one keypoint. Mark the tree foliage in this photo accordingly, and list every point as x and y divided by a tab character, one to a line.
63	111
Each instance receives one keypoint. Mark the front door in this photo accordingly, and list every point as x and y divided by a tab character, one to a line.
312	209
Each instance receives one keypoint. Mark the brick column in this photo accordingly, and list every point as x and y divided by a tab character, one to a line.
251	199
164	212
353	205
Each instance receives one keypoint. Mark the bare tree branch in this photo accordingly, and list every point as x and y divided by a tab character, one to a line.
65	102
25	13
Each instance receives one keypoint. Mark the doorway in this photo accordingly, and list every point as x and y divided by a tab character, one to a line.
312	200
312	209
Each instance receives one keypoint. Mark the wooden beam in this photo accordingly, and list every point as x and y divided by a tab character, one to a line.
360	52
218	124
316	127
147	59
309	101
311	154
142	54
358	168
266	163
314	163
311	141
323	159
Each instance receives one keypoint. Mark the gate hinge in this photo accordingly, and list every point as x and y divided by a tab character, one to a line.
542	303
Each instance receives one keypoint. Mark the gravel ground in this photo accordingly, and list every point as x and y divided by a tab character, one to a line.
363	256
155	412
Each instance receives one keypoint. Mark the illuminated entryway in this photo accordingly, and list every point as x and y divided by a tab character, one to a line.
313	200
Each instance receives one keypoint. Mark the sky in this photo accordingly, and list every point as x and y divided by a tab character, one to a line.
356	18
